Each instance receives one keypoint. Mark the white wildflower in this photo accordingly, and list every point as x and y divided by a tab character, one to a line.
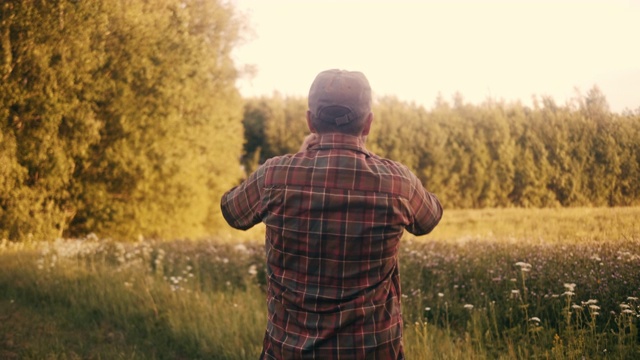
536	319
570	286
468	306
524	266
253	270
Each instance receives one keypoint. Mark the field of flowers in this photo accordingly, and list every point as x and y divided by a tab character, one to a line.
479	287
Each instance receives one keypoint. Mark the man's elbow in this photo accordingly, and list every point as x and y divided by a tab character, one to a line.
232	221
429	221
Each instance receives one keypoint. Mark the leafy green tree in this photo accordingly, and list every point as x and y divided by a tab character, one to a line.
603	167
531	167
172	133
47	126
118	117
627	137
273	126
494	128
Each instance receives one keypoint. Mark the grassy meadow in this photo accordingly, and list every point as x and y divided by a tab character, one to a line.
486	284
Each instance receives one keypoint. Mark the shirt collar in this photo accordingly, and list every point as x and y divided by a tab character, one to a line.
341	141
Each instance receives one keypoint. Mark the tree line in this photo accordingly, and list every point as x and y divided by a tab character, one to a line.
122	118
494	154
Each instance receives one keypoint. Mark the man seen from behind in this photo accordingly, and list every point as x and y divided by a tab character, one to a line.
334	215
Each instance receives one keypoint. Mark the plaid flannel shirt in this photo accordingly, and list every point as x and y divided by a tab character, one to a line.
334	216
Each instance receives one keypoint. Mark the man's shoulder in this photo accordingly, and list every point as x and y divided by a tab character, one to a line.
392	164
278	160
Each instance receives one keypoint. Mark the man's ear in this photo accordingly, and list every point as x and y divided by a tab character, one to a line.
312	129
367	124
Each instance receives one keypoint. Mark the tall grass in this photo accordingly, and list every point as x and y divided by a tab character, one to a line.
490	284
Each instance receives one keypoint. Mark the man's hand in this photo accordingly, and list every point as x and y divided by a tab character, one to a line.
309	141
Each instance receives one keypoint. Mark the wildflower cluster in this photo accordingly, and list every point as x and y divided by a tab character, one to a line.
534	287
182	264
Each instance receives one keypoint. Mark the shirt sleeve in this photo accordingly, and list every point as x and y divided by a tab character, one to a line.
241	205
426	208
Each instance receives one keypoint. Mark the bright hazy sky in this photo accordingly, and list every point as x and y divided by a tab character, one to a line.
415	50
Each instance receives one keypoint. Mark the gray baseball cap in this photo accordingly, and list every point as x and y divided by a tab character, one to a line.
340	96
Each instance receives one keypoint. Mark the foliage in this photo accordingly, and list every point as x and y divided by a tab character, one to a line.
489	155
272	126
117	117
